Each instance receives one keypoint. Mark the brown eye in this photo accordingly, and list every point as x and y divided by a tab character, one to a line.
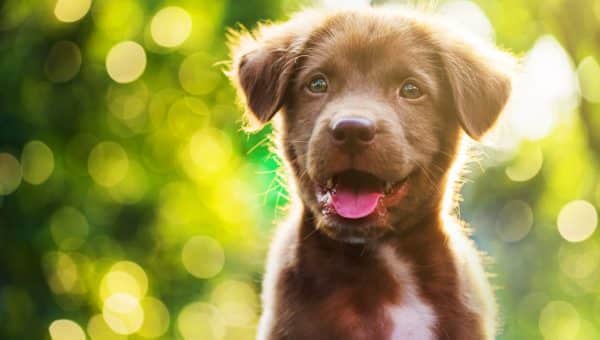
318	85
410	90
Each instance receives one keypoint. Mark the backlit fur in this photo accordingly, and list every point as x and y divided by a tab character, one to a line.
412	272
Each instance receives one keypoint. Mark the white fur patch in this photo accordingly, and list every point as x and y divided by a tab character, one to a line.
413	318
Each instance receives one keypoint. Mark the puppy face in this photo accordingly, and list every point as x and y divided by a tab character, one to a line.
373	105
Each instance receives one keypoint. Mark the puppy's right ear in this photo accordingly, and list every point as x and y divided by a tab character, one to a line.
263	64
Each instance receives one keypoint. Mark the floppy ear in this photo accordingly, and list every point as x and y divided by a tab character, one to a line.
480	80
263	64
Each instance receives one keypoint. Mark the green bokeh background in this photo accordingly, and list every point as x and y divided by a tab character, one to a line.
157	172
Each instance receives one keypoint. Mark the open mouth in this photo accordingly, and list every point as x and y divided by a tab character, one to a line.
354	194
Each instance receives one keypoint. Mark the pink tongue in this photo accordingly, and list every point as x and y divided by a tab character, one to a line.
350	204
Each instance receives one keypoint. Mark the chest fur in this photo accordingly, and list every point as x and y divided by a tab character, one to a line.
373	308
410	317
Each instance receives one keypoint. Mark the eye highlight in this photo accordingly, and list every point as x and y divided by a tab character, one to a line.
318	85
411	90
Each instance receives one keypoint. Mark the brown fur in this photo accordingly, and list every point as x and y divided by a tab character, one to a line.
320	283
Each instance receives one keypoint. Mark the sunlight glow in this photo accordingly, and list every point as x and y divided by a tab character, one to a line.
469	16
171	26
126	62
577	221
342	4
545	90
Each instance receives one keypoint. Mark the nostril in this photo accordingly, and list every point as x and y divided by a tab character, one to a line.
351	130
339	134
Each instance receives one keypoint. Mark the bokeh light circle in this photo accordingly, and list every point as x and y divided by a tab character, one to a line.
526	166
577	221
108	163
559	320
123	313
514	221
10	174
124	277
61	271
66	330
118	19
588	73
156	318
201	321
71	10
126	62
198	75
237	301
69	228
210	150
37	161
63	62
133	187
99	330
203	257
580	260
171	26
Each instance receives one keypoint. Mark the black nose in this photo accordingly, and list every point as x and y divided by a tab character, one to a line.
353	132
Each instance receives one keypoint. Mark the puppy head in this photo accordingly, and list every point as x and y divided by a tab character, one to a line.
372	107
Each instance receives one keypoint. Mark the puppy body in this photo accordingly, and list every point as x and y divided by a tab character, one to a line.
373	107
425	285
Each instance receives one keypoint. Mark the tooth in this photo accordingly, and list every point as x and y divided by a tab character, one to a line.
329	183
388	187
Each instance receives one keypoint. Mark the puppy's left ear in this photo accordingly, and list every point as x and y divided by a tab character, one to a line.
263	62
480	77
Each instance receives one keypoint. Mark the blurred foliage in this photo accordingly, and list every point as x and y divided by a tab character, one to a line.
132	206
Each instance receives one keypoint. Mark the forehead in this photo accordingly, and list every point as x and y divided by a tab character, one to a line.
370	43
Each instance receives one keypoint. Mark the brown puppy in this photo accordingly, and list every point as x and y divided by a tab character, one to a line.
373	107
